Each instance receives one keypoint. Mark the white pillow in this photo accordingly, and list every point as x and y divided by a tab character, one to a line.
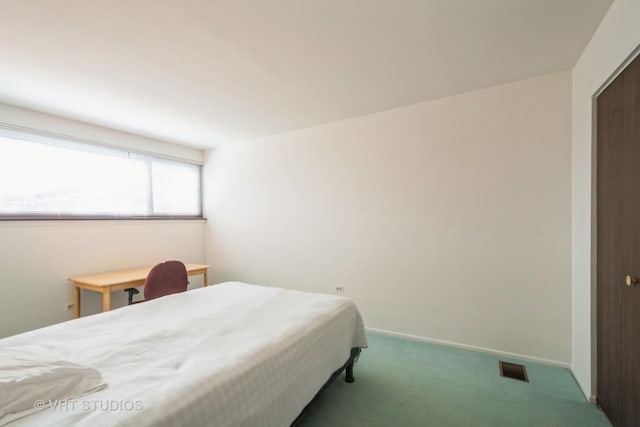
30	373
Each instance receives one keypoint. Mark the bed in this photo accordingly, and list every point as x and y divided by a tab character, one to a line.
232	354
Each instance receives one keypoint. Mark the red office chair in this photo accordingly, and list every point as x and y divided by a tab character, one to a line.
168	277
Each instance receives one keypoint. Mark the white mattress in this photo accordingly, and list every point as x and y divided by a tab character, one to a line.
226	355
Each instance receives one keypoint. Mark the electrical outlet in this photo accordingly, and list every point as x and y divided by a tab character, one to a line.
340	289
68	307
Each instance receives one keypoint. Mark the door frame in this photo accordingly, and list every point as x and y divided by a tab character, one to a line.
594	220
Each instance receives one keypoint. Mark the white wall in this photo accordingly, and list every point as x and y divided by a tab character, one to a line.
36	257
613	42
16	116
448	219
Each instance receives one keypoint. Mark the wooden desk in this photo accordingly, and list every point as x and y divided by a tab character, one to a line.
119	280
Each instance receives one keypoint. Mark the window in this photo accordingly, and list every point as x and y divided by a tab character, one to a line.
44	176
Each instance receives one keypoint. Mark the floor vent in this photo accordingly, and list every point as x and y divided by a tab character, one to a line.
512	370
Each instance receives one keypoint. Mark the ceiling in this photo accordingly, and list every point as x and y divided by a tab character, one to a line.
209	72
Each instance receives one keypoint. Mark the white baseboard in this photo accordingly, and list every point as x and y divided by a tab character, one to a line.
474	348
587	394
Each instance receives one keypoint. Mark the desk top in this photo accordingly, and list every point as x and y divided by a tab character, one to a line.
127	276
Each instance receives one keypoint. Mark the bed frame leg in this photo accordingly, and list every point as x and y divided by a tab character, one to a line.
349	373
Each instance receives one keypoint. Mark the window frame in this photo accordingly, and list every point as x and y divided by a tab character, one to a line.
41	137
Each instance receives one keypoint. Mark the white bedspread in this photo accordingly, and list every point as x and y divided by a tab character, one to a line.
227	355
29	374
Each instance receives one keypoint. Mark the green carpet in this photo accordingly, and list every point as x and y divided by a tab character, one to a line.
401	382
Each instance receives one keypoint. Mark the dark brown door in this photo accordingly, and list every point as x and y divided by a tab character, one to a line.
618	248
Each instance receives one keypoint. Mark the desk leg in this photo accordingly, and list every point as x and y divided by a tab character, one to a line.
76	302
106	300
206	278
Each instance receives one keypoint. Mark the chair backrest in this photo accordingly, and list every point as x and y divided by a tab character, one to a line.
168	277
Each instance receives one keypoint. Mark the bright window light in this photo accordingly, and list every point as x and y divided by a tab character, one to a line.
176	188
47	177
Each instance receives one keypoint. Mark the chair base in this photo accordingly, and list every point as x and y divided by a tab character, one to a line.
132	292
